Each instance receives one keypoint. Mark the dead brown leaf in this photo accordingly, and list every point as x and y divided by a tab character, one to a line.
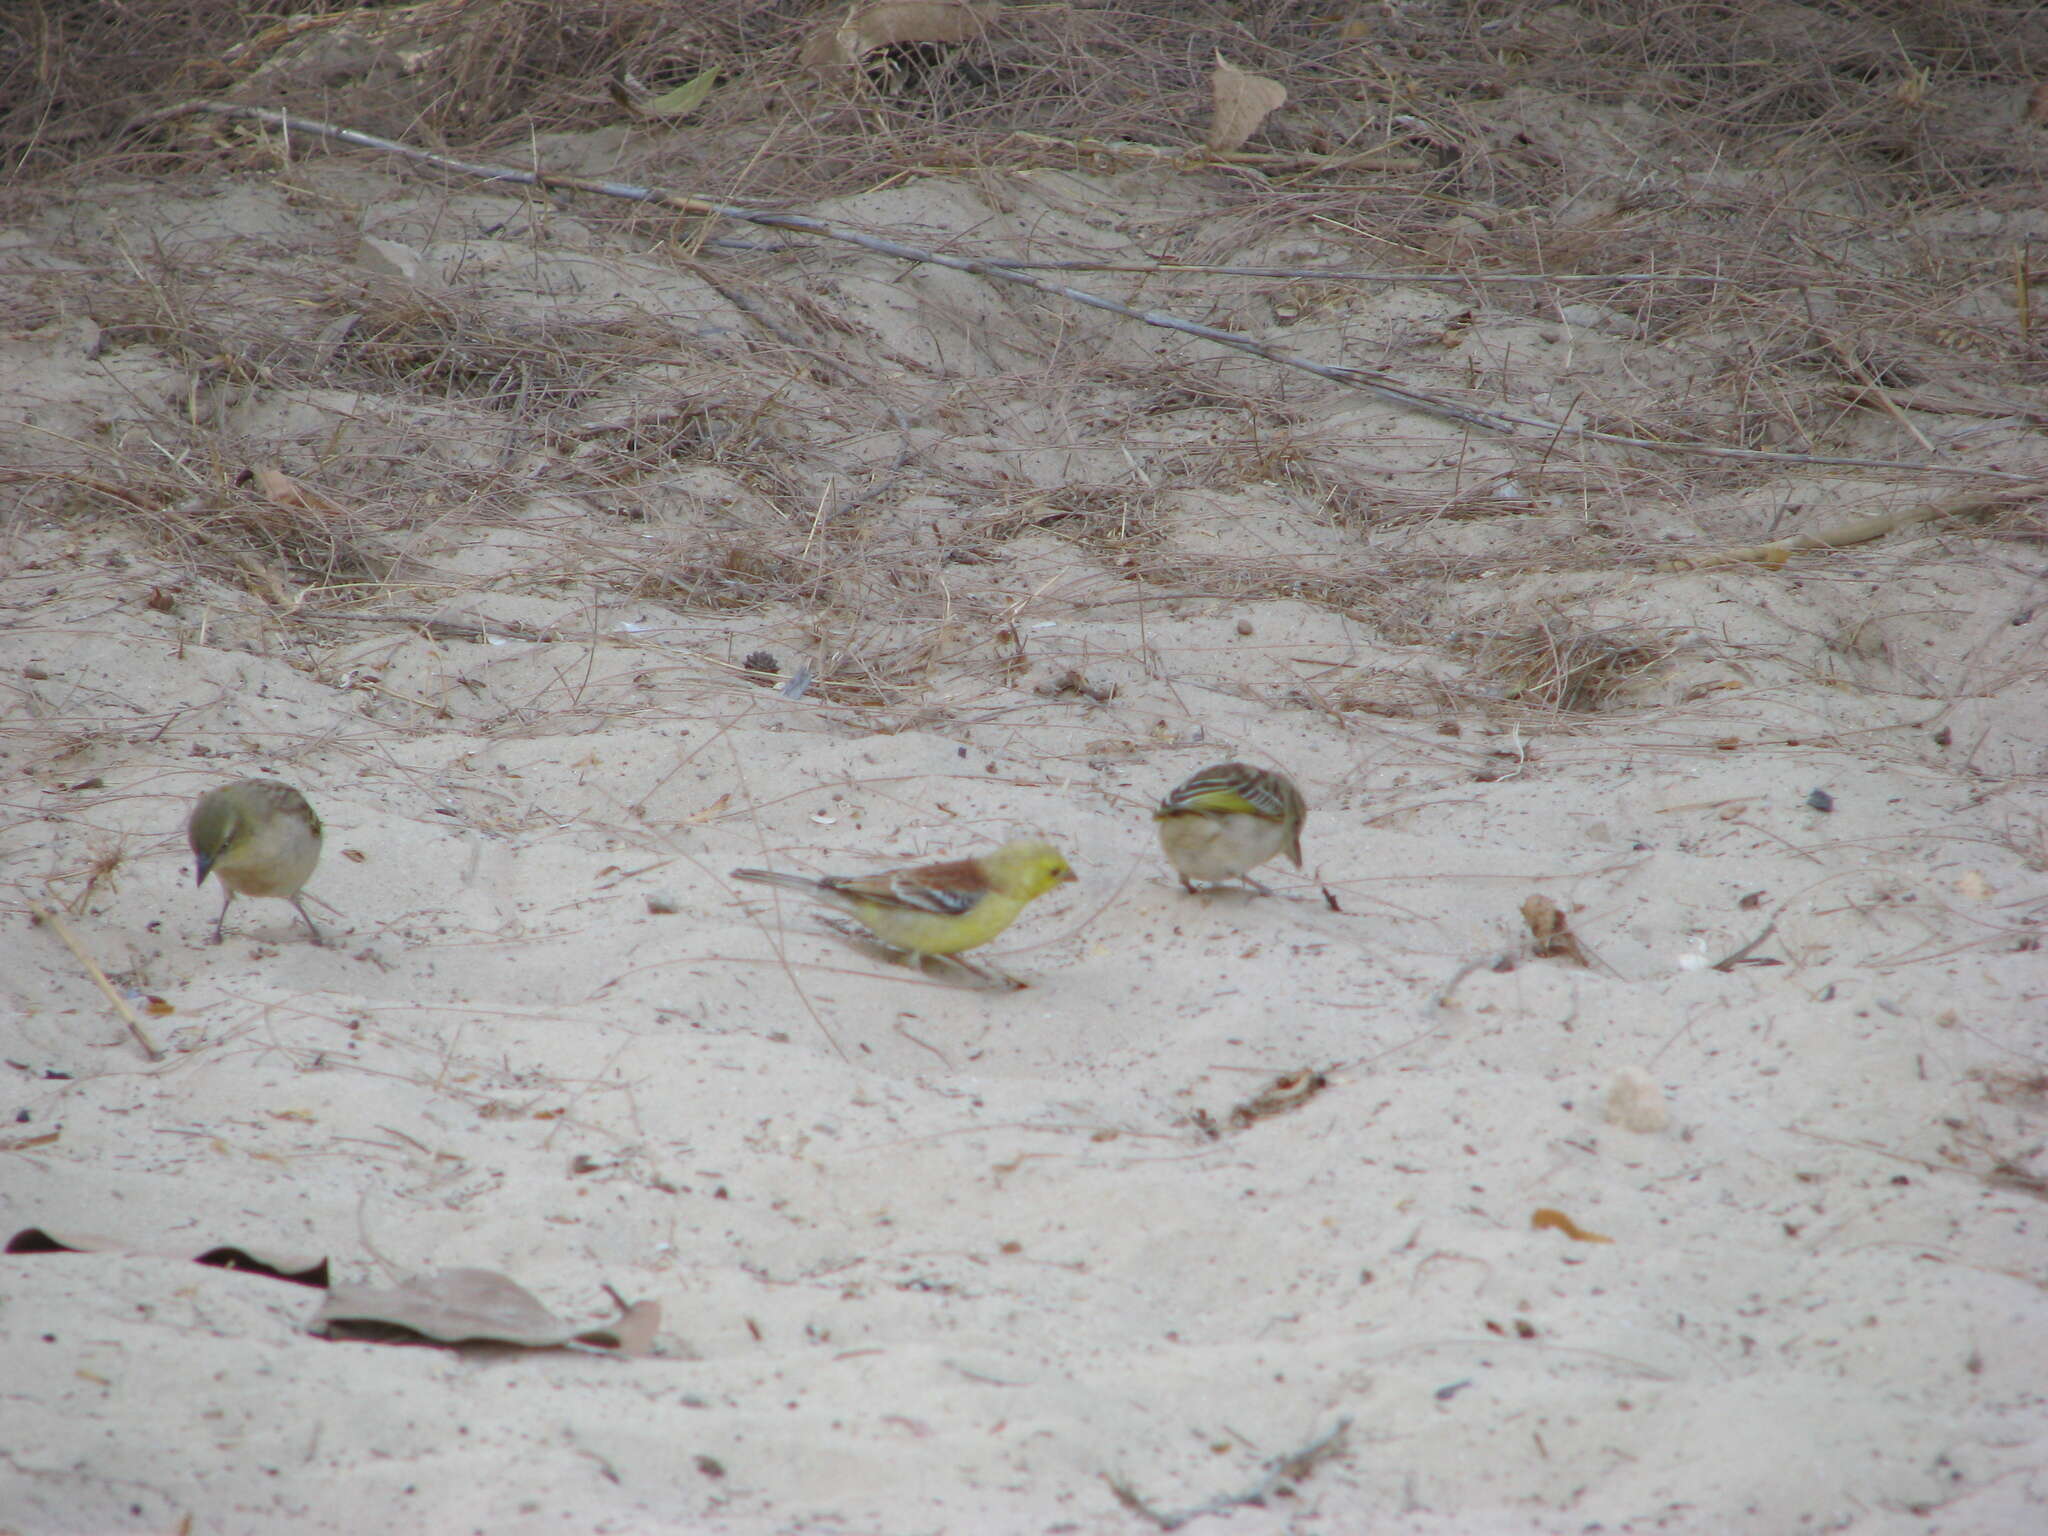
1557	1221
868	27
1290	1090
472	1306
287	492
1551	933
1243	101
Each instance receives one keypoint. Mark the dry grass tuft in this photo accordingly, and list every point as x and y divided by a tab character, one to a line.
1355	591
1912	88
1782	161
727	574
1557	663
1105	519
1554	667
450	347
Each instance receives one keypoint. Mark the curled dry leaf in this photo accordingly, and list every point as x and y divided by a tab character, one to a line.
1551	934
685	98
710	812
1243	101
1074	681
633	1333
1557	1221
287	492
1290	1090
472	1306
299	1269
868	27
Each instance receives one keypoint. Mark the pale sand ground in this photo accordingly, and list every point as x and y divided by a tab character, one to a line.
935	1258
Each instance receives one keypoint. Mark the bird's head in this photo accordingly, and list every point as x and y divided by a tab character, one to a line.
1027	868
215	824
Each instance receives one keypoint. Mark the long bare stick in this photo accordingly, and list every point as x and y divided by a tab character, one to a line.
51	916
1366	160
1348	275
1862	531
1508	423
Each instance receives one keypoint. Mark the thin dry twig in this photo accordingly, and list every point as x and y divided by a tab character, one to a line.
120	1006
1889	406
1729	961
1284	1471
1348	275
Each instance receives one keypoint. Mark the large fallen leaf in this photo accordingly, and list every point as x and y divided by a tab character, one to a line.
473	1306
868	27
290	494
1243	101
685	98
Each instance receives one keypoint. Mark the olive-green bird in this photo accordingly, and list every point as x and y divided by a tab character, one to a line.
259	838
1222	823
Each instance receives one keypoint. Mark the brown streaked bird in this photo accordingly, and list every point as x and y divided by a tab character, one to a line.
258	837
937	909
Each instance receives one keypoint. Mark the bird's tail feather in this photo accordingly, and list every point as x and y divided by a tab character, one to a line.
777	877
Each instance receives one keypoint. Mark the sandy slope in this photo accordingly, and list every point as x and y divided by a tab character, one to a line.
936	1257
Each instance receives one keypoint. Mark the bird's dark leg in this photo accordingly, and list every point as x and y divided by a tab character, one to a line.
986	972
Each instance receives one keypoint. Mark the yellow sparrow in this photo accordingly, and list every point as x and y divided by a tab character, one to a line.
259	838
1227	820
937	909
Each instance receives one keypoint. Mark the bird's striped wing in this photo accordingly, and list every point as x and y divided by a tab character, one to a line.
1236	787
941	890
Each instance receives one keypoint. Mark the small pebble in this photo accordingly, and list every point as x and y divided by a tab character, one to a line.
1821	800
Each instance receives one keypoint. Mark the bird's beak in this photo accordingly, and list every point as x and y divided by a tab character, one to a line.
205	864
